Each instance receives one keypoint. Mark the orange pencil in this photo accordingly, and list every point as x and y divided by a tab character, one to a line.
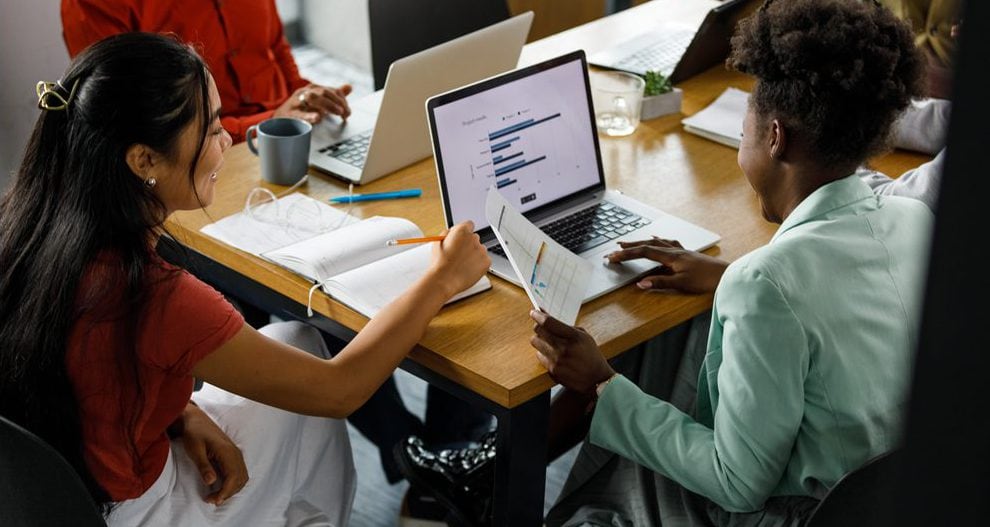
405	241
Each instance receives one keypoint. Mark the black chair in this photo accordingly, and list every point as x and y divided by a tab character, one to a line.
860	496
400	28
37	486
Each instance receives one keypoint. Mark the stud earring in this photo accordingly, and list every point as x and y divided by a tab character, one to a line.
151	182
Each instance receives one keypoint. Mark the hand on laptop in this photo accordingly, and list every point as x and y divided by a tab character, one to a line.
312	103
683	270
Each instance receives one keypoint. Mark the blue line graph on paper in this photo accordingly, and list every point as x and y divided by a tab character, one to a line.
556	278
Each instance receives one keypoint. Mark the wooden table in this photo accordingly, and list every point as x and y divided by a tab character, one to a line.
479	348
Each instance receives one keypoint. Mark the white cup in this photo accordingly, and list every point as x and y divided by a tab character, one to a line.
618	100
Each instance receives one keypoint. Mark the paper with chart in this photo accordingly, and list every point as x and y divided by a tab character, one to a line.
553	277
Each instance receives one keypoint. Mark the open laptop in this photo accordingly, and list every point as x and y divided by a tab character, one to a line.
531	134
386	131
678	51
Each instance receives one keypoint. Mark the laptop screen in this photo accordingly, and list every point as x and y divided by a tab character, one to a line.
529	133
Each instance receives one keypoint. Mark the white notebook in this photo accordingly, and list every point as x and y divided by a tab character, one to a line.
722	120
358	269
316	241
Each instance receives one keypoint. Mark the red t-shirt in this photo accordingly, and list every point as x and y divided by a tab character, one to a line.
242	42
183	321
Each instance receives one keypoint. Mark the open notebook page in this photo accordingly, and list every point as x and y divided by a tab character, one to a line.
369	288
278	223
335	252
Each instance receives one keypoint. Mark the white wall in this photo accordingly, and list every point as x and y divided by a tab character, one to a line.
31	49
340	27
288	10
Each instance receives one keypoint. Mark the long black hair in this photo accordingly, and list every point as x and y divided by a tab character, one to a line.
74	199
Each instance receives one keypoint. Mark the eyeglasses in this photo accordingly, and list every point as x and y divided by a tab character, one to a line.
264	205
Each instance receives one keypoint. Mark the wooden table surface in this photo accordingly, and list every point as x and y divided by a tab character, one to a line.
482	342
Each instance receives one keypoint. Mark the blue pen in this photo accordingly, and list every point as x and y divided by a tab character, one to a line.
408	193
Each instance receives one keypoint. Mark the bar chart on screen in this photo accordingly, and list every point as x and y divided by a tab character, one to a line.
555	278
507	154
531	137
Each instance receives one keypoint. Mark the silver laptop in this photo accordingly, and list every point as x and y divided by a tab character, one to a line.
386	131
531	134
678	51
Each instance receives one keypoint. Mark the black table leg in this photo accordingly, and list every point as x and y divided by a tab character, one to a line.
521	463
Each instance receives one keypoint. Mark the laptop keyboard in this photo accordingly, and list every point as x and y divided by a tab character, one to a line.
590	227
353	151
661	54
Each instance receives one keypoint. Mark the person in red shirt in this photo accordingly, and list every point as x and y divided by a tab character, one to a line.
102	339
244	45
242	42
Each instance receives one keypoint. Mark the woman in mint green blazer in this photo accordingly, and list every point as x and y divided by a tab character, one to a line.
808	358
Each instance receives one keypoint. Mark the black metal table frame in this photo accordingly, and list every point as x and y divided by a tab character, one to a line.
521	458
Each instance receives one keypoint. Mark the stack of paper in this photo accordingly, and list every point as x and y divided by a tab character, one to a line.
722	120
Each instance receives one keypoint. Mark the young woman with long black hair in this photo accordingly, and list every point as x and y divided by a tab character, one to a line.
101	338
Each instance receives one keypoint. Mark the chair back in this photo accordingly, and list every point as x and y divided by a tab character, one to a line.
860	497
37	486
400	28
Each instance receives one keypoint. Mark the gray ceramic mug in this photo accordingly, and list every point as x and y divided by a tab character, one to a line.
283	148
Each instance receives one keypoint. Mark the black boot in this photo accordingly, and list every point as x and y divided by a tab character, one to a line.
461	479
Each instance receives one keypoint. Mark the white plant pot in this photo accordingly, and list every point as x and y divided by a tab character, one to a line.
664	104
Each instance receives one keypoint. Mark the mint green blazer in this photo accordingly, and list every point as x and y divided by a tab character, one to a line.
808	361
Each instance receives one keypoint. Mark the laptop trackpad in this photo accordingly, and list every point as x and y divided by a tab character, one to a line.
332	130
625	271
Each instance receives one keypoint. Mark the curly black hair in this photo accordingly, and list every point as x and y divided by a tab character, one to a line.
836	72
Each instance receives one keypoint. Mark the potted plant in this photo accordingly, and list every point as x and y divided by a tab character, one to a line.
660	97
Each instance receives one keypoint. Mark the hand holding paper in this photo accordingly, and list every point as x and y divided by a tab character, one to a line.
553	277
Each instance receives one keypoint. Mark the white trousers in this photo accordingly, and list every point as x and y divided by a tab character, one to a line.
300	468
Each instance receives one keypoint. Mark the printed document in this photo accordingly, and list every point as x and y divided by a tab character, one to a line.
553	277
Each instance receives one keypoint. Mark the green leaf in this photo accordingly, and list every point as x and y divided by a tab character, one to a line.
656	83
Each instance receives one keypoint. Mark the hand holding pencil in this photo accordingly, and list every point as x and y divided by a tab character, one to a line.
460	261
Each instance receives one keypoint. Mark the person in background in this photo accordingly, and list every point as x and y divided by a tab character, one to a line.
921	128
933	23
242	42
102	338
748	415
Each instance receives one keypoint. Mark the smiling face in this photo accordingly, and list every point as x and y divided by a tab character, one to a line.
173	186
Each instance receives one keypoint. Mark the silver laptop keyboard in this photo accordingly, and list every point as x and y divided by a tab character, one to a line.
588	228
353	151
661	54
